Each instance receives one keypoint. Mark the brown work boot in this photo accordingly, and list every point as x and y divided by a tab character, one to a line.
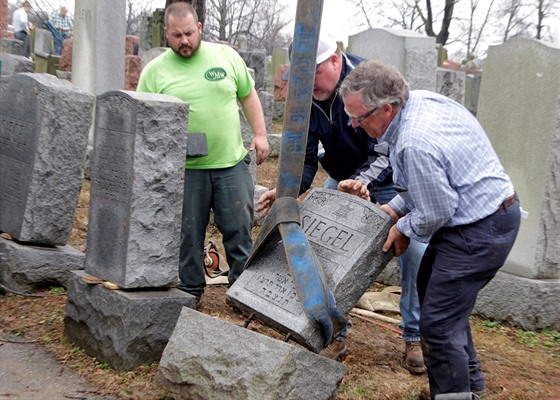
413	360
337	350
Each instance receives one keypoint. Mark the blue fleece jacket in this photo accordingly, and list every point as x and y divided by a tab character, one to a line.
348	152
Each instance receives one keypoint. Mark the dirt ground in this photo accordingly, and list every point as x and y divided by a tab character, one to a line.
518	364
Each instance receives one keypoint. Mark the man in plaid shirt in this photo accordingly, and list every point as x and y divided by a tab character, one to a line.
63	24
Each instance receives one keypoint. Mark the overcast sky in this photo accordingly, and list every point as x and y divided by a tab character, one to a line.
338	16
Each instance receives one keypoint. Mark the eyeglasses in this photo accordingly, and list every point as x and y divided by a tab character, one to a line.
360	119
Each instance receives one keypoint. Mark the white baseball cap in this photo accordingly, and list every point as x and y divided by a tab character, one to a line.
325	48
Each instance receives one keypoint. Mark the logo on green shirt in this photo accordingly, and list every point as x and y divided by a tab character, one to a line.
215	74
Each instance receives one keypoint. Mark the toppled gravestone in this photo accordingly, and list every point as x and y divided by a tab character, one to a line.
347	235
207	358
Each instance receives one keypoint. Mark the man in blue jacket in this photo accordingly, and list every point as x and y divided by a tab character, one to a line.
349	153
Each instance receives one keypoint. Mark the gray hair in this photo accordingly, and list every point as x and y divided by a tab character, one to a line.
377	84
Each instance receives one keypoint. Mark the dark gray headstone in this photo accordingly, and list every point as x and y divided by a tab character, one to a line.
136	198
451	83
124	328
43	43
14	64
199	362
347	235
44	124
256	60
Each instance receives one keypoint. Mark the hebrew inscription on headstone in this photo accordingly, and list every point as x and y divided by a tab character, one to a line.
137	189
44	123
347	234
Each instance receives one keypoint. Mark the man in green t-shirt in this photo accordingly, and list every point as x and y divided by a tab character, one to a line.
210	78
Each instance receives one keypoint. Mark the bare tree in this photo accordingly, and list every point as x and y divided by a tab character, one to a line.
513	19
402	14
135	10
255	23
546	10
409	14
429	20
475	33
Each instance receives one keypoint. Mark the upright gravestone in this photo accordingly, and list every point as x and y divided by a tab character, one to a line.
347	234
451	83
413	54
45	122
256	60
43	42
99	46
137	189
472	91
133	231
519	108
279	57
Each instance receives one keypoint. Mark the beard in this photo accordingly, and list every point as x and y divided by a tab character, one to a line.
187	50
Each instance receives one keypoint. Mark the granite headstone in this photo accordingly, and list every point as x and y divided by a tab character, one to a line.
43	137
137	189
347	234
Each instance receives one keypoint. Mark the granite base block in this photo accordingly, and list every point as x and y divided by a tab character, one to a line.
26	267
529	303
124	328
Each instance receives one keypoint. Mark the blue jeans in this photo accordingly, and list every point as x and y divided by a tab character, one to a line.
330	183
457	264
409	262
57	42
24	37
229	193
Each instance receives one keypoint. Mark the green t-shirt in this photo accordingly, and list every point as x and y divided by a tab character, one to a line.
210	82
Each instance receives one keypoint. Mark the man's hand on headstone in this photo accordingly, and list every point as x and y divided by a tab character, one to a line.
397	240
389	211
355	187
265	202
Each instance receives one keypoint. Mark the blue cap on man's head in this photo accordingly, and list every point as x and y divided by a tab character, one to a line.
325	48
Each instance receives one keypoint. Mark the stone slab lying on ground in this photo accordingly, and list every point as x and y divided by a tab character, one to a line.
25	267
347	234
207	358
124	328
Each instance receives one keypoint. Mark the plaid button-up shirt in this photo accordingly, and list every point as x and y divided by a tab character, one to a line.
62	23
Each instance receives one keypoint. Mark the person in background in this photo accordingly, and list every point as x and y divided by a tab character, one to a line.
455	196
62	22
22	26
350	153
210	78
